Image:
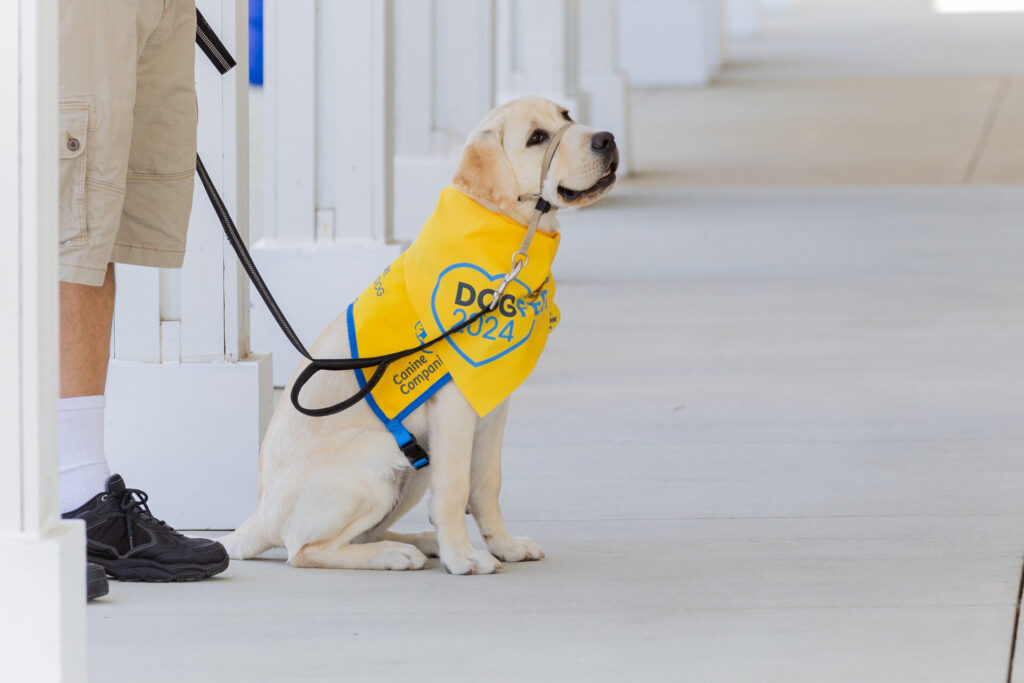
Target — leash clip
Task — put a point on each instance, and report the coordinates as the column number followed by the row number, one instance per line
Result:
column 519, row 261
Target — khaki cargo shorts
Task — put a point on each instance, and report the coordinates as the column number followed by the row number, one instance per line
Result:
column 127, row 134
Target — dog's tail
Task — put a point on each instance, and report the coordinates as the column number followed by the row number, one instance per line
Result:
column 248, row 540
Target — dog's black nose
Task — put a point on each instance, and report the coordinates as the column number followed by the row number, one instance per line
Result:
column 602, row 140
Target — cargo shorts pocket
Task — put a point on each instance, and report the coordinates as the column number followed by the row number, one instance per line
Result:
column 73, row 119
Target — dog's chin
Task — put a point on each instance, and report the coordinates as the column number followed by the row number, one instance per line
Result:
column 571, row 197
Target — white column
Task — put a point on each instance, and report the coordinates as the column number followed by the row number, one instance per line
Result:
column 289, row 84
column 713, row 38
column 42, row 559
column 355, row 128
column 329, row 139
column 444, row 85
column 742, row 17
column 187, row 402
column 669, row 43
column 606, row 86
column 537, row 51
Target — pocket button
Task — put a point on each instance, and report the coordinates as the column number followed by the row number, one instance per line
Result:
column 73, row 144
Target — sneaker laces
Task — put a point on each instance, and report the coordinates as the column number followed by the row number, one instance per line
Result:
column 134, row 505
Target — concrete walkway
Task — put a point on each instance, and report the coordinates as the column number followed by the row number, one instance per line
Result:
column 785, row 445
column 847, row 92
column 777, row 437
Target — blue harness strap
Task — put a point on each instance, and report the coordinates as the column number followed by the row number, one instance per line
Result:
column 414, row 452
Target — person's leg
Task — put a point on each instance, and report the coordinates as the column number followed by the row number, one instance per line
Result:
column 86, row 314
column 148, row 165
column 113, row 56
column 96, row 85
column 85, row 317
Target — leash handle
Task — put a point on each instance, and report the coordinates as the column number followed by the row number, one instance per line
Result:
column 212, row 47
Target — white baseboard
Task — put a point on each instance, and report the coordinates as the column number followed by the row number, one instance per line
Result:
column 42, row 632
column 188, row 434
column 313, row 282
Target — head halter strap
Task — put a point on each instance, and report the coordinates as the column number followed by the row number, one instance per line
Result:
column 543, row 205
column 522, row 256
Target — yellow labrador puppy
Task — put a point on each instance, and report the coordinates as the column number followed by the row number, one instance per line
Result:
column 331, row 487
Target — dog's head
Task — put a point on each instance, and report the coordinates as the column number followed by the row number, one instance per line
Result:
column 501, row 162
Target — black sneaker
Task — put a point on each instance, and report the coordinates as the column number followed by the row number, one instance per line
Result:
column 132, row 545
column 96, row 585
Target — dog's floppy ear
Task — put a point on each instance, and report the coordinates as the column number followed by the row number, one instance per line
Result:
column 485, row 172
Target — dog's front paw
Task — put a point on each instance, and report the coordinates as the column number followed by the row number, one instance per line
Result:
column 399, row 557
column 473, row 562
column 512, row 549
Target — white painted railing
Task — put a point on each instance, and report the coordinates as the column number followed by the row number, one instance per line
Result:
column 329, row 166
column 42, row 559
column 537, row 50
column 444, row 84
column 600, row 77
column 187, row 401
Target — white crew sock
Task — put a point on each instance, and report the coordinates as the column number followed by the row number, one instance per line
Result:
column 83, row 462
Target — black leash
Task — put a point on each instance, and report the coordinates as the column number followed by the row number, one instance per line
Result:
column 211, row 46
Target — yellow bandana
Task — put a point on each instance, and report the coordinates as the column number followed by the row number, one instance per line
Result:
column 453, row 267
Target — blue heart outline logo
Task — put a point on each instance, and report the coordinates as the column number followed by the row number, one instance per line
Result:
column 490, row 278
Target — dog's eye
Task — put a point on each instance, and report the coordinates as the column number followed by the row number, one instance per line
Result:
column 537, row 138
column 565, row 115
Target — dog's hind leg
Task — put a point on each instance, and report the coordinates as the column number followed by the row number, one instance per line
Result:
column 338, row 554
column 412, row 491
column 248, row 540
column 339, row 507
column 425, row 541
column 339, row 551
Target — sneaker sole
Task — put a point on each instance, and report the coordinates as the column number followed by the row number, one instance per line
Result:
column 96, row 584
column 149, row 571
